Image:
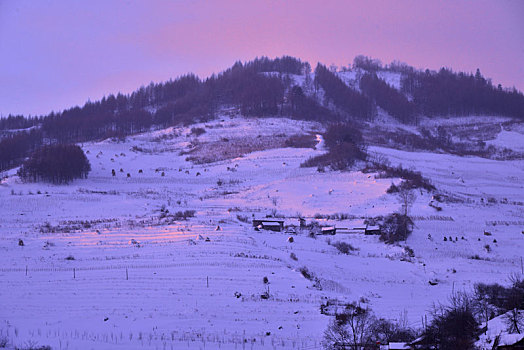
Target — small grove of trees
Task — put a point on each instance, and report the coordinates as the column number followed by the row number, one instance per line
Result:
column 56, row 164
column 358, row 328
column 344, row 144
column 453, row 326
column 396, row 227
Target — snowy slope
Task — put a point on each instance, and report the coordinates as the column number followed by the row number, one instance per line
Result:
column 137, row 278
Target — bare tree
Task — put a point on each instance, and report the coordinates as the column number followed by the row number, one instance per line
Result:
column 406, row 197
column 514, row 320
column 350, row 330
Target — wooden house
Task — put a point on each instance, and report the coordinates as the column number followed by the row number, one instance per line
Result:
column 372, row 230
column 348, row 230
column 269, row 224
column 328, row 230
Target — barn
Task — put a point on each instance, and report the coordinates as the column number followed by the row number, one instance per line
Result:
column 272, row 224
column 372, row 230
column 328, row 230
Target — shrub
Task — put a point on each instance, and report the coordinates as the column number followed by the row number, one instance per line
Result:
column 409, row 251
column 385, row 331
column 243, row 219
column 3, row 342
column 301, row 141
column 412, row 179
column 56, row 164
column 502, row 298
column 32, row 345
column 293, row 256
column 343, row 247
column 198, row 131
column 305, row 272
column 184, row 215
column 392, row 189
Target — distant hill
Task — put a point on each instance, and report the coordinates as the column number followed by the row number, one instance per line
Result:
column 284, row 86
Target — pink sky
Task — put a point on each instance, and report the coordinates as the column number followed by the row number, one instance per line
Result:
column 57, row 54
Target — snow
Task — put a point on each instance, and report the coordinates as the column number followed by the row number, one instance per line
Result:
column 497, row 327
column 393, row 79
column 509, row 139
column 185, row 284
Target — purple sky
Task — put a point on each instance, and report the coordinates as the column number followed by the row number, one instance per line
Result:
column 56, row 54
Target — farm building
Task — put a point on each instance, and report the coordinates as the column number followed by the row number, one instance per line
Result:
column 372, row 230
column 347, row 230
column 328, row 230
column 269, row 222
column 359, row 229
column 271, row 225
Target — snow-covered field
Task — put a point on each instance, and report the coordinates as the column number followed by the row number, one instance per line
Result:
column 105, row 264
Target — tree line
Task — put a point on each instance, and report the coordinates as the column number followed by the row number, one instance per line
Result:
column 448, row 93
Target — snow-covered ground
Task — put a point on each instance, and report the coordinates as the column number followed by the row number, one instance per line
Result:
column 104, row 265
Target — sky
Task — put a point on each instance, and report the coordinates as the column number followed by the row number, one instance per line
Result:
column 58, row 54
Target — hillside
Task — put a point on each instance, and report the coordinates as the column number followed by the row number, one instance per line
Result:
column 281, row 87
column 167, row 256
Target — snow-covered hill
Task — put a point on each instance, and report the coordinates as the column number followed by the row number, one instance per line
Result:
column 107, row 262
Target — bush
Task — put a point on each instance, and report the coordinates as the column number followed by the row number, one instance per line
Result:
column 198, row 131
column 343, row 247
column 56, row 164
column 412, row 179
column 301, row 141
column 500, row 297
column 184, row 215
column 396, row 228
column 3, row 342
column 385, row 331
column 305, row 272
column 32, row 345
column 243, row 219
